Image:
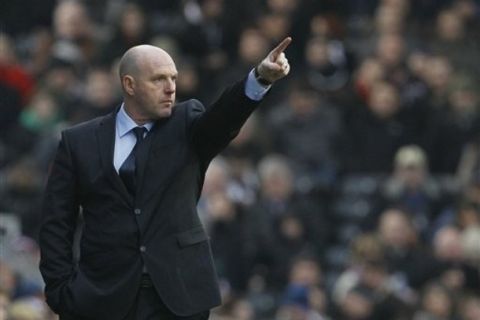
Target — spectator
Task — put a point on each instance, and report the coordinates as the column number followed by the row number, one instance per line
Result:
column 16, row 85
column 41, row 115
column 452, row 268
column 132, row 29
column 438, row 74
column 267, row 219
column 470, row 307
column 467, row 215
column 12, row 73
column 252, row 46
column 188, row 84
column 327, row 65
column 436, row 303
column 275, row 26
column 373, row 134
column 243, row 155
column 454, row 127
column 205, row 35
column 306, row 130
column 369, row 72
column 38, row 119
column 404, row 254
column 368, row 282
column 99, row 99
column 451, row 41
column 391, row 51
column 303, row 297
column 411, row 187
column 74, row 35
column 231, row 257
column 356, row 305
column 62, row 81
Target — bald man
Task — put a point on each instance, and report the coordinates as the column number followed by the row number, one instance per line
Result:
column 135, row 176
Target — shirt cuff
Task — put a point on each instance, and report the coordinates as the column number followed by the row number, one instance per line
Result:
column 253, row 89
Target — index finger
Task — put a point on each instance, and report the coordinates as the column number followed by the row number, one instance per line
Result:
column 280, row 48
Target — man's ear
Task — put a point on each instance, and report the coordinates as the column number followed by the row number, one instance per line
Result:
column 128, row 83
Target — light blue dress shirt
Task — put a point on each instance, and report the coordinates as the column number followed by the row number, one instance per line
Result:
column 125, row 139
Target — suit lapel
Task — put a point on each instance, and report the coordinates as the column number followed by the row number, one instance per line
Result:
column 106, row 144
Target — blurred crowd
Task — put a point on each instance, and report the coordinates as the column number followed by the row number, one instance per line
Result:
column 353, row 193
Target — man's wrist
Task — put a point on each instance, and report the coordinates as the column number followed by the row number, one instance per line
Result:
column 253, row 88
column 258, row 77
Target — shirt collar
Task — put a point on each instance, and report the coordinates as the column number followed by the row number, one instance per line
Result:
column 125, row 124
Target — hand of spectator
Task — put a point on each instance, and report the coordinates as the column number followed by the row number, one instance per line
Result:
column 275, row 66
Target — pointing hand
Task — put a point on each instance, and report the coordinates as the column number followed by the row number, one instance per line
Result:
column 275, row 66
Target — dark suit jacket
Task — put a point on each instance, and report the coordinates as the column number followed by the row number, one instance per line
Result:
column 159, row 228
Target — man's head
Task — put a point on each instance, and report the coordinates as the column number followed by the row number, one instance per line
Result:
column 396, row 229
column 148, row 75
column 384, row 100
column 276, row 178
column 411, row 167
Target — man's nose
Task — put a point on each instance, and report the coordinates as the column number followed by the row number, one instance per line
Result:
column 170, row 86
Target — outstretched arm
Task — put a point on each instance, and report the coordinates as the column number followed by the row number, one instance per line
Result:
column 213, row 129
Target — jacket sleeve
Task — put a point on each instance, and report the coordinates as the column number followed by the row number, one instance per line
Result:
column 59, row 217
column 212, row 129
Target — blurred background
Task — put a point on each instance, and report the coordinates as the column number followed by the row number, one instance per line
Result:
column 352, row 193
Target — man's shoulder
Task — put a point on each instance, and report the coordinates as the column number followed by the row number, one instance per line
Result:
column 190, row 104
column 188, row 109
column 89, row 125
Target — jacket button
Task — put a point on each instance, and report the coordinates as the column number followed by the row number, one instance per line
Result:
column 143, row 249
column 137, row 211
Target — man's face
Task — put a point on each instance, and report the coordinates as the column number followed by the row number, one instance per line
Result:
column 155, row 87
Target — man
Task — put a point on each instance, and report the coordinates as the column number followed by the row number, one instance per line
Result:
column 137, row 175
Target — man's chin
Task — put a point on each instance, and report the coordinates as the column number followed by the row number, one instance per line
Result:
column 165, row 112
